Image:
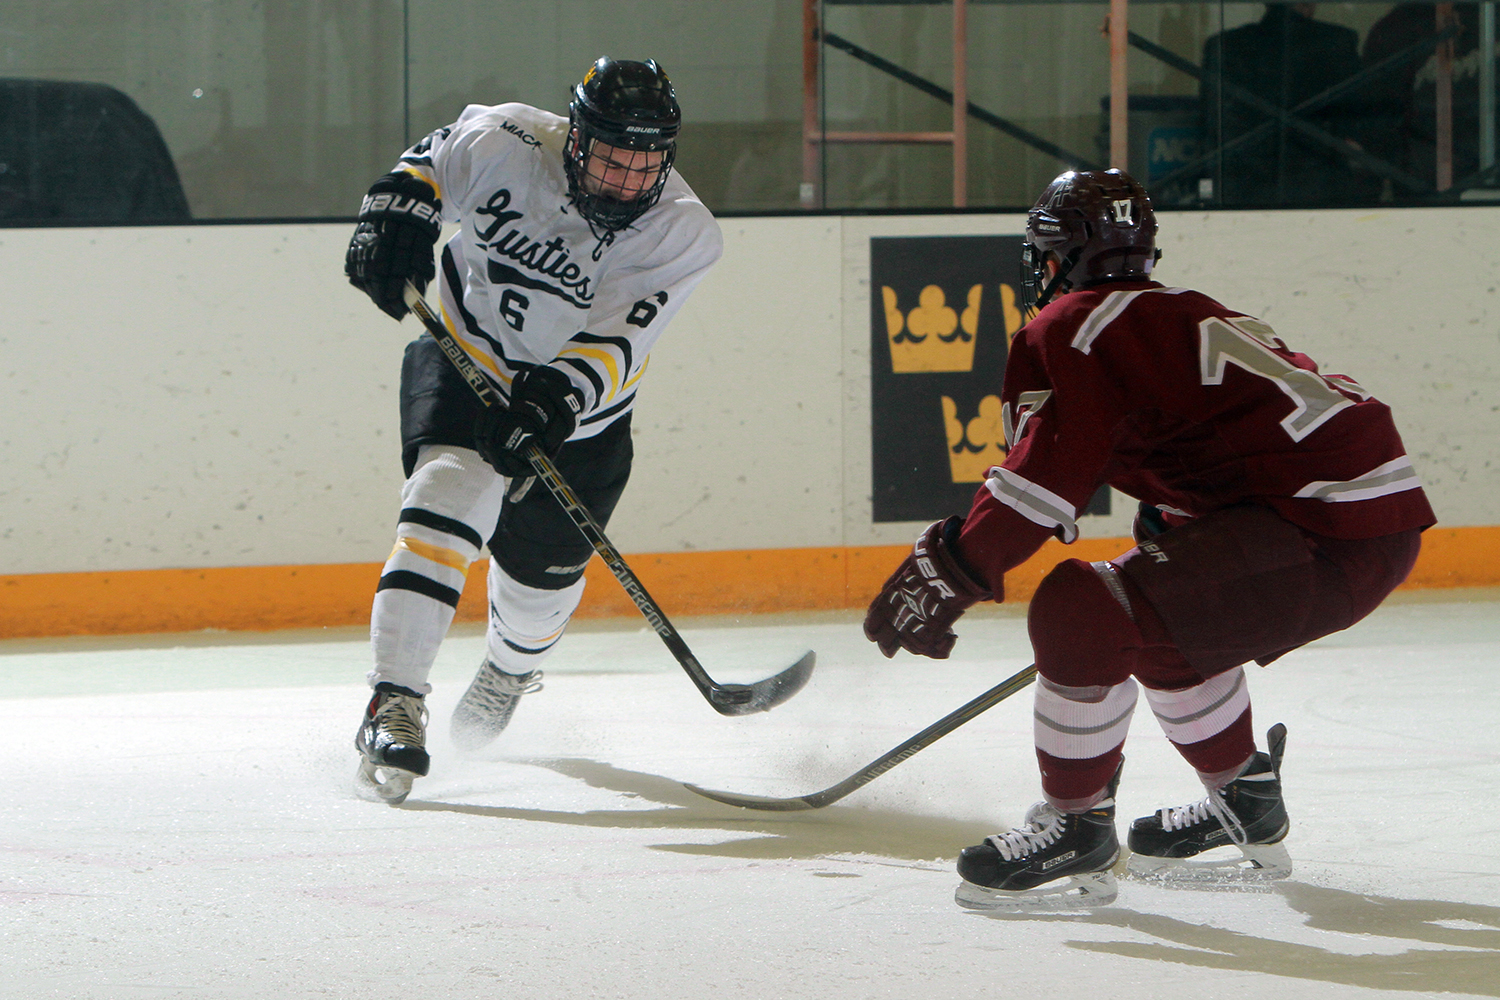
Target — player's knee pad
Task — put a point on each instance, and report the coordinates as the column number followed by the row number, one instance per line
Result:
column 1080, row 630
column 536, row 540
column 455, row 483
column 447, row 505
column 526, row 622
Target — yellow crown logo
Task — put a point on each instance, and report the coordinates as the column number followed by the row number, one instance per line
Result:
column 933, row 337
column 1009, row 309
column 976, row 446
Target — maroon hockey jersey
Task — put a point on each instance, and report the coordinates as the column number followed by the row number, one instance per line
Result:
column 1178, row 401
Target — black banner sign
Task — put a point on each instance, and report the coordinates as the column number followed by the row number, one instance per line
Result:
column 942, row 312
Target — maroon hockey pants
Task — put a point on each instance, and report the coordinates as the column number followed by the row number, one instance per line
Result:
column 1234, row 586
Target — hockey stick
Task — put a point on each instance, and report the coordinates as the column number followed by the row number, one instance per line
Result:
column 727, row 699
column 883, row 763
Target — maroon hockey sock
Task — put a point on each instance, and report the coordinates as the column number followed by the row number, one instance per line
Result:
column 1077, row 785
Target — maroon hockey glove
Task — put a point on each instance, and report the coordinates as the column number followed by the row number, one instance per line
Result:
column 543, row 411
column 924, row 597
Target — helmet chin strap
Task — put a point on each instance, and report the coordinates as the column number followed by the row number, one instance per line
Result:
column 1059, row 279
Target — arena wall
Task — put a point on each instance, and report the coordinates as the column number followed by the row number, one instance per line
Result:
column 200, row 425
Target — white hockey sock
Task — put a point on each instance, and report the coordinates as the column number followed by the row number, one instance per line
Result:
column 1077, row 723
column 526, row 622
column 1202, row 711
column 449, row 506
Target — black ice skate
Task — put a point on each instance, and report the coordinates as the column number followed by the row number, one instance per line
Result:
column 1234, row 835
column 391, row 745
column 485, row 709
column 1053, row 861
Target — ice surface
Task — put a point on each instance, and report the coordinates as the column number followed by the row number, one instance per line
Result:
column 180, row 824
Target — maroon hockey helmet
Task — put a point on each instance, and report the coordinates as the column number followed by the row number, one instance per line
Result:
column 1097, row 224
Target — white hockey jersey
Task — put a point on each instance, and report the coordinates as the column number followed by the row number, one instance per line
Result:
column 525, row 281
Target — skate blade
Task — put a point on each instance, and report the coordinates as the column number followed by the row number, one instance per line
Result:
column 1077, row 892
column 1234, row 866
column 382, row 784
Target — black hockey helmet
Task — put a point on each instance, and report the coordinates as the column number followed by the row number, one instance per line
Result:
column 1097, row 224
column 630, row 106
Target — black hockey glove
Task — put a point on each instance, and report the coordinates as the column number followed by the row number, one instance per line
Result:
column 543, row 411
column 399, row 222
column 928, row 592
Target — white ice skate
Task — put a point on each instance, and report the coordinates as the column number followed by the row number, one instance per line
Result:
column 484, row 711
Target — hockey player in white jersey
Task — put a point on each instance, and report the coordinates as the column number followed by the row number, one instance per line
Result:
column 577, row 244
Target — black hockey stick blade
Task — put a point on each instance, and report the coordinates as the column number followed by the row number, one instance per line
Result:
column 762, row 696
column 726, row 699
column 883, row 763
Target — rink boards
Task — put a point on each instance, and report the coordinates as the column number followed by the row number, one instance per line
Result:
column 201, row 426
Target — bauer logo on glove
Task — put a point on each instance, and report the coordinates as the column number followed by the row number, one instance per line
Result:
column 924, row 597
column 389, row 203
column 929, row 570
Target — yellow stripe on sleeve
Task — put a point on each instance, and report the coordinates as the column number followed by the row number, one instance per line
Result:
column 608, row 361
column 638, row 374
column 419, row 175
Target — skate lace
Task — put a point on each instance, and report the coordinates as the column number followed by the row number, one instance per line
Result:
column 403, row 717
column 1182, row 817
column 1043, row 826
column 496, row 689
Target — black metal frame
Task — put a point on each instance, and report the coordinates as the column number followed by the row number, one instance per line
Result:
column 1292, row 118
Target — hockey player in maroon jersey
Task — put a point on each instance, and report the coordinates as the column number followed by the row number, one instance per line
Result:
column 1277, row 506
